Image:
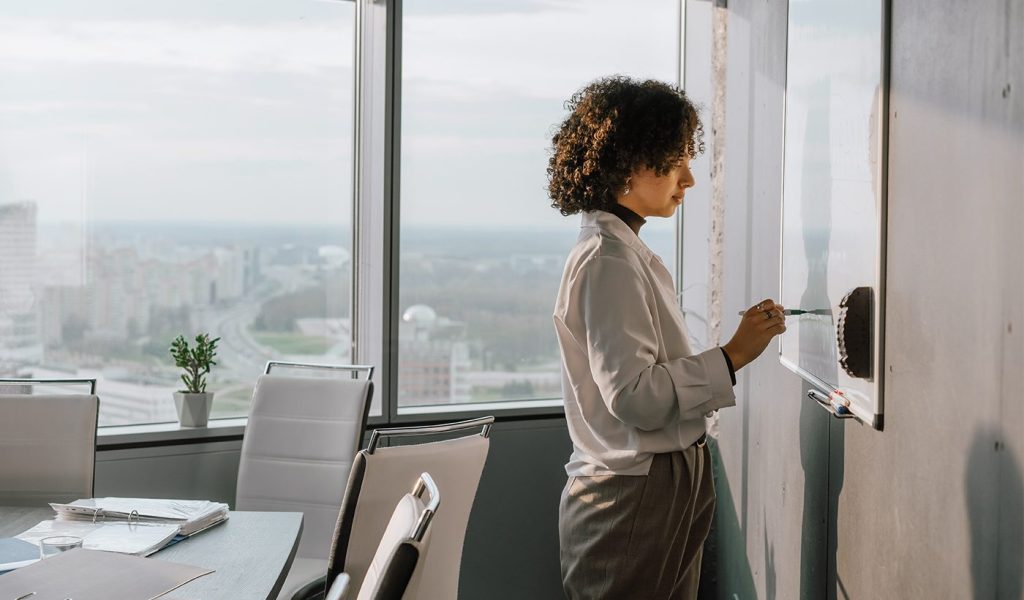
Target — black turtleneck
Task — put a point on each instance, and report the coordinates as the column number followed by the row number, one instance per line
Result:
column 635, row 222
column 630, row 218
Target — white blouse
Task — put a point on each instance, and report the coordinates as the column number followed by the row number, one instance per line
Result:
column 632, row 385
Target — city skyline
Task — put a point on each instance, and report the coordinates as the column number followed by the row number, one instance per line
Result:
column 107, row 299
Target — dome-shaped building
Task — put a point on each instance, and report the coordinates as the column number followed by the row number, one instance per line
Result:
column 420, row 314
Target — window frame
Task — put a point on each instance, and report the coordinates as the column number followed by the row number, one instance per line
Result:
column 376, row 212
column 169, row 431
column 379, row 31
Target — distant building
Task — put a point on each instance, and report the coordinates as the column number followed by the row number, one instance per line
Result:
column 333, row 256
column 433, row 359
column 251, row 268
column 231, row 267
column 125, row 288
column 20, row 340
column 62, row 314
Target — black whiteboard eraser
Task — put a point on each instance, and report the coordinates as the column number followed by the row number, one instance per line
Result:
column 853, row 332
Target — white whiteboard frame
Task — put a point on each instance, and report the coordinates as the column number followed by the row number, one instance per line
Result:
column 869, row 414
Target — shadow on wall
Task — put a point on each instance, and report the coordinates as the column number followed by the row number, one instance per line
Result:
column 995, row 508
column 769, row 565
column 822, row 459
column 726, row 573
column 822, row 442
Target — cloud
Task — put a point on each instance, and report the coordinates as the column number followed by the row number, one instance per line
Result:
column 285, row 47
column 174, row 116
column 546, row 54
column 49, row 107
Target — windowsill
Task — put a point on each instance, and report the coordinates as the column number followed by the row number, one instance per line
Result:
column 156, row 433
column 113, row 437
column 507, row 408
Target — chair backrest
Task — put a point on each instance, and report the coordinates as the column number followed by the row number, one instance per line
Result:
column 398, row 559
column 299, row 443
column 380, row 476
column 48, row 445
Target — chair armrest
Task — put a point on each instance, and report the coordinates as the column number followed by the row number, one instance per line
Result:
column 339, row 590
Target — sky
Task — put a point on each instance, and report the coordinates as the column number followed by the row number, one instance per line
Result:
column 241, row 110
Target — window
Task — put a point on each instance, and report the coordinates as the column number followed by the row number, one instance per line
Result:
column 481, row 251
column 173, row 168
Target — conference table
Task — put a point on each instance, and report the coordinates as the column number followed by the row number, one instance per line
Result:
column 250, row 553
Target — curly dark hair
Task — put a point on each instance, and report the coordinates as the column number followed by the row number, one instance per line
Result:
column 618, row 125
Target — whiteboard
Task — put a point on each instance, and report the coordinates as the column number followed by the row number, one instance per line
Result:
column 833, row 200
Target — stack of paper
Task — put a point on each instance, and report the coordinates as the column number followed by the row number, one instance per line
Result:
column 191, row 516
column 140, row 539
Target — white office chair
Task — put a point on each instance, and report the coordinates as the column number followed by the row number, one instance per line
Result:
column 299, row 443
column 399, row 558
column 48, row 442
column 381, row 475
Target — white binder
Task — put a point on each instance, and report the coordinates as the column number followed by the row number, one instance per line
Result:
column 191, row 515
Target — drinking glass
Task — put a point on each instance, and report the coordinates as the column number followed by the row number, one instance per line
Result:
column 59, row 543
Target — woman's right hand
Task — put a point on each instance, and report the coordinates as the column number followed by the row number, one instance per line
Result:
column 758, row 326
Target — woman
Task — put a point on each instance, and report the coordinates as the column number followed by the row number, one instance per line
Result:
column 638, row 504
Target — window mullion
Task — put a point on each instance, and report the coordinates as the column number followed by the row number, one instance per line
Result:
column 373, row 213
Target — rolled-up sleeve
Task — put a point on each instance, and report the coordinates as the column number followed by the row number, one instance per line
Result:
column 622, row 347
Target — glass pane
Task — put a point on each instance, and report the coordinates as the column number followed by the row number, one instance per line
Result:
column 832, row 198
column 483, row 85
column 173, row 167
column 695, row 296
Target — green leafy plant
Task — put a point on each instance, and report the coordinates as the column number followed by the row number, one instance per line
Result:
column 196, row 361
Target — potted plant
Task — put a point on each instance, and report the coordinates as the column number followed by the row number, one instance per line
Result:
column 194, row 402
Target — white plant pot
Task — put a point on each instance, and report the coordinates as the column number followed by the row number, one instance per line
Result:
column 193, row 409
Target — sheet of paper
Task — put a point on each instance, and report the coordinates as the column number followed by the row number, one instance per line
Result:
column 15, row 553
column 141, row 539
column 94, row 575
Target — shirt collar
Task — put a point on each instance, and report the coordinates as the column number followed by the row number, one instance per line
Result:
column 613, row 226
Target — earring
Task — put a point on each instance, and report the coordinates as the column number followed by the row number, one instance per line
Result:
column 626, row 191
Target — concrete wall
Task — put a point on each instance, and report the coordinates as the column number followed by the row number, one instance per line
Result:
column 206, row 471
column 931, row 507
column 511, row 549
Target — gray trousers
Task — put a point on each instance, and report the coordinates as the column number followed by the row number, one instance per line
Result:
column 637, row 537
